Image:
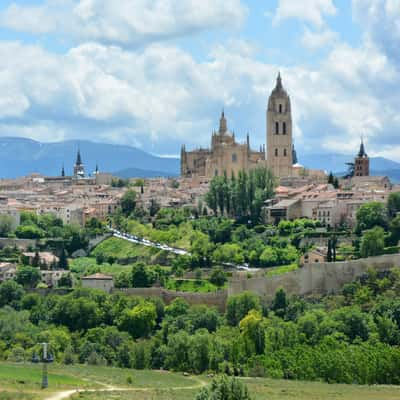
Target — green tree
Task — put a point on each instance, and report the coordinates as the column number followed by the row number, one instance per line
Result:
column 394, row 229
column 218, row 277
column 393, row 204
column 370, row 215
column 253, row 330
column 28, row 276
column 10, row 293
column 280, row 303
column 128, row 202
column 373, row 242
column 65, row 281
column 63, row 260
column 139, row 321
column 140, row 276
column 6, row 225
column 29, row 232
column 224, row 388
column 239, row 306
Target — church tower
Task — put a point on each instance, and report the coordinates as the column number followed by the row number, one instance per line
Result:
column 79, row 168
column 279, row 132
column 361, row 162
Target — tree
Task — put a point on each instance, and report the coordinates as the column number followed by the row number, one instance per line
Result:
column 280, row 303
column 394, row 229
column 393, row 204
column 239, row 306
column 63, row 261
column 139, row 321
column 252, row 329
column 28, row 276
column 128, row 202
column 370, row 215
column 218, row 277
column 29, row 232
column 6, row 225
column 373, row 242
column 10, row 293
column 154, row 207
column 224, row 388
column 140, row 276
column 65, row 281
column 331, row 178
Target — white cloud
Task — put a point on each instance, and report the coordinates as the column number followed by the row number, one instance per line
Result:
column 321, row 39
column 380, row 20
column 312, row 11
column 124, row 22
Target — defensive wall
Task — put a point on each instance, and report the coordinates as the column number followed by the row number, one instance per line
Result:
column 216, row 299
column 323, row 278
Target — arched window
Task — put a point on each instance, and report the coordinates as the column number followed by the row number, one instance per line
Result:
column 276, row 152
column 276, row 128
column 280, row 108
column 285, row 152
column 234, row 157
column 284, row 128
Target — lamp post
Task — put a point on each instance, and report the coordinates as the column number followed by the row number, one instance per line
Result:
column 46, row 359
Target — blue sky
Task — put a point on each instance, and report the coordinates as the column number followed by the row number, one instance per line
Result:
column 156, row 73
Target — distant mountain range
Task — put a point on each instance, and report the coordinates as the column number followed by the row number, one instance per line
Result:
column 20, row 157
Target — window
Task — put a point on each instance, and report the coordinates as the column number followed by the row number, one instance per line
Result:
column 234, row 157
column 285, row 152
column 276, row 128
column 276, row 152
column 284, row 128
column 216, row 172
column 280, row 108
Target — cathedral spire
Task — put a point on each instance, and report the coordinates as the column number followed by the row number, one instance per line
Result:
column 223, row 127
column 279, row 81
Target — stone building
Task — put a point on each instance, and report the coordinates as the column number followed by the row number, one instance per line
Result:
column 361, row 162
column 227, row 155
column 280, row 149
column 98, row 281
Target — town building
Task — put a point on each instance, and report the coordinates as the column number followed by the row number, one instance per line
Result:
column 361, row 162
column 228, row 156
column 98, row 281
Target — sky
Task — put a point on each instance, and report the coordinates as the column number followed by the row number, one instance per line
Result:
column 155, row 74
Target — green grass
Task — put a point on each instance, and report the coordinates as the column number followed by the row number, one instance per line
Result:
column 281, row 270
column 159, row 385
column 191, row 285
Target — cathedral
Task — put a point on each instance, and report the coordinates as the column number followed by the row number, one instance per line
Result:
column 226, row 155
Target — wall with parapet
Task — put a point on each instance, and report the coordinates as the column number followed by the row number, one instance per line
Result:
column 216, row 299
column 321, row 278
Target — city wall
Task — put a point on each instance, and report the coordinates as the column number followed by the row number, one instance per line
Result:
column 321, row 278
column 216, row 299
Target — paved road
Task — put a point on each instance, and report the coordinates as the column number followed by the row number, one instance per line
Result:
column 144, row 242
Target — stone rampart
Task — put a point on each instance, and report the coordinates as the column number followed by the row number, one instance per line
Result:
column 215, row 299
column 320, row 278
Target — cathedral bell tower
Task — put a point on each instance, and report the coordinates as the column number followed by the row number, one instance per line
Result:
column 279, row 132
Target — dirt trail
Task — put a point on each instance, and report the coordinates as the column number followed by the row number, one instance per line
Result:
column 66, row 394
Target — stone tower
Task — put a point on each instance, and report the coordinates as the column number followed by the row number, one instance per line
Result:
column 279, row 132
column 79, row 168
column 361, row 162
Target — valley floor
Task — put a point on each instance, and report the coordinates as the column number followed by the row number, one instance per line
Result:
column 22, row 382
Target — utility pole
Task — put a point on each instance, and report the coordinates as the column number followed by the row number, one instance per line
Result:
column 46, row 358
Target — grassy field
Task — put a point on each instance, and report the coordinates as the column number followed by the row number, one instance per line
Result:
column 281, row 270
column 191, row 285
column 22, row 382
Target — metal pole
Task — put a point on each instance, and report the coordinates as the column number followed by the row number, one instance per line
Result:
column 45, row 381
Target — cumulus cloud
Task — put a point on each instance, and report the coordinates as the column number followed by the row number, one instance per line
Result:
column 124, row 22
column 312, row 11
column 314, row 40
column 381, row 21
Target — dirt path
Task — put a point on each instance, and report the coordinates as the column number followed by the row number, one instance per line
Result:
column 66, row 394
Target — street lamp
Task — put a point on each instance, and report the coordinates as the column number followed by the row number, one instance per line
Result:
column 46, row 359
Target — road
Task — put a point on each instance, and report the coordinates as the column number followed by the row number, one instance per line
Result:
column 144, row 242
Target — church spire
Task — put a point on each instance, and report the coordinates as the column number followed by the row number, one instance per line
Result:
column 78, row 157
column 362, row 152
column 279, row 81
column 223, row 127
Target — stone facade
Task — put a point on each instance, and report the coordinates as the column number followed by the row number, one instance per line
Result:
column 226, row 155
column 279, row 132
column 361, row 162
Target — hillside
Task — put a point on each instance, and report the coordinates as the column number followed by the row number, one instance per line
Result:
column 20, row 156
